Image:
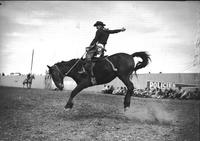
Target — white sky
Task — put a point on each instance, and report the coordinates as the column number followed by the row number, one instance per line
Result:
column 60, row 30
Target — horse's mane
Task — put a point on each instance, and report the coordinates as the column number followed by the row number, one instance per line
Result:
column 69, row 63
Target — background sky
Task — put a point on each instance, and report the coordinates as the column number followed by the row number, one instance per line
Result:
column 60, row 30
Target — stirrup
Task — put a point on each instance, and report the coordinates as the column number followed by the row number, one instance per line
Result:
column 115, row 69
column 93, row 80
column 82, row 71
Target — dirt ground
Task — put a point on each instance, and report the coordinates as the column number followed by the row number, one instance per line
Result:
column 38, row 115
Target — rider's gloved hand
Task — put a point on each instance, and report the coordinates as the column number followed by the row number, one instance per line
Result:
column 123, row 29
column 87, row 48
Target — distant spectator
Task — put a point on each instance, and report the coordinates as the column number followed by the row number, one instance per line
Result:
column 116, row 91
column 185, row 95
column 197, row 93
column 178, row 92
column 158, row 93
column 47, row 80
column 120, row 91
column 124, row 91
column 108, row 89
column 105, row 88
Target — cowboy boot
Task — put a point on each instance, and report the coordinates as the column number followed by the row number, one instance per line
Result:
column 89, row 68
column 101, row 55
column 93, row 80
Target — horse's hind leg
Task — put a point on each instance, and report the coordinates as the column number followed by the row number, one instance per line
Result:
column 130, row 87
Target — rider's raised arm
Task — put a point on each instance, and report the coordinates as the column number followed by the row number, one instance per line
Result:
column 115, row 31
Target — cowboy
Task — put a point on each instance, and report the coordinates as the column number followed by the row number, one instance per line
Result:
column 28, row 76
column 97, row 46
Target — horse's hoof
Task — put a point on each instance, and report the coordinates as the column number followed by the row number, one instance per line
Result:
column 67, row 109
column 69, row 106
column 126, row 109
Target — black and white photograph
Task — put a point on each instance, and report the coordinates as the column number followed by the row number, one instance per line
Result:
column 99, row 70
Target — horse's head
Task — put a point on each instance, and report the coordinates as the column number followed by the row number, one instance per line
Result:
column 56, row 76
column 33, row 76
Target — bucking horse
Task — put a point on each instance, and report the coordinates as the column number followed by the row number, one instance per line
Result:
column 121, row 65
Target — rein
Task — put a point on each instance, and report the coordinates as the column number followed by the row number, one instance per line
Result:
column 63, row 75
column 59, row 71
column 72, row 67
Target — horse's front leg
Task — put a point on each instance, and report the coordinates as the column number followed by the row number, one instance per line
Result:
column 74, row 92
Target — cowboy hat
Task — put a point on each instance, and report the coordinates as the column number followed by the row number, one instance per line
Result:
column 99, row 23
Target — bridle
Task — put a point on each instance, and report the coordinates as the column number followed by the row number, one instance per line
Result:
column 59, row 71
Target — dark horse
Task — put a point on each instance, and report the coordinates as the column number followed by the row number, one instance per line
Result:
column 103, row 72
column 28, row 81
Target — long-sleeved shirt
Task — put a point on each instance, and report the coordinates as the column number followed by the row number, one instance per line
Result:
column 102, row 35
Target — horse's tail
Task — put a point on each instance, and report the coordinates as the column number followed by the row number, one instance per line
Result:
column 145, row 60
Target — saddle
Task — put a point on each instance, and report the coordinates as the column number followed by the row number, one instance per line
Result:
column 96, row 60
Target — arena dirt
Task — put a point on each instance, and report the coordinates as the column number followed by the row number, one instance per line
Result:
column 35, row 114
